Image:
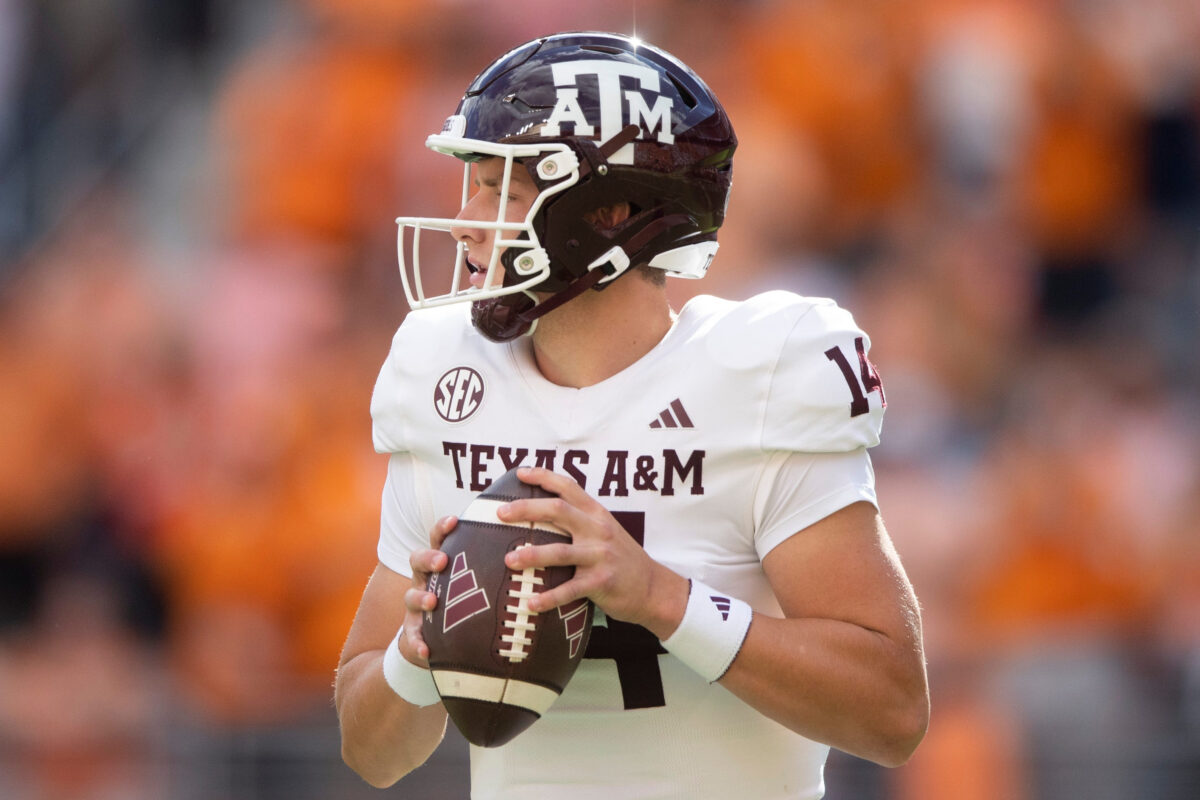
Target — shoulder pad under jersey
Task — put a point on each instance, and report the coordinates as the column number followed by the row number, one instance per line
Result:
column 418, row 348
column 824, row 395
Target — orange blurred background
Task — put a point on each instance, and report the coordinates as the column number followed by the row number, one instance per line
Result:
column 198, row 284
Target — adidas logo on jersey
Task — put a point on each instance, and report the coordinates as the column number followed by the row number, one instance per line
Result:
column 672, row 417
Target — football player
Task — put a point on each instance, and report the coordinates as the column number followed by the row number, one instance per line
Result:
column 711, row 463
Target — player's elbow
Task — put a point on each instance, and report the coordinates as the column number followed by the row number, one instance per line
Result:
column 377, row 774
column 903, row 725
column 383, row 760
column 898, row 739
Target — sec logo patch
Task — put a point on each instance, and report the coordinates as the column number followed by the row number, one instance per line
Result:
column 458, row 394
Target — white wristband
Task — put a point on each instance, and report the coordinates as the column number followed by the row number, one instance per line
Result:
column 711, row 633
column 414, row 684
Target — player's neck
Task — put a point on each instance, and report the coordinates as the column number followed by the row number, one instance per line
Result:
column 599, row 334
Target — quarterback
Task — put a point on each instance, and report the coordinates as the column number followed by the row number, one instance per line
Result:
column 710, row 463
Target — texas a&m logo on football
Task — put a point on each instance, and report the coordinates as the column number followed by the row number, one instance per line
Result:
column 617, row 108
column 458, row 394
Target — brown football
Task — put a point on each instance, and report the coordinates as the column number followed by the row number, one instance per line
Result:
column 498, row 667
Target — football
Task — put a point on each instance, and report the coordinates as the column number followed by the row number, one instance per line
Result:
column 498, row 666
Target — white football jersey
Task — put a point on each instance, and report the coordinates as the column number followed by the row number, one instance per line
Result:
column 748, row 422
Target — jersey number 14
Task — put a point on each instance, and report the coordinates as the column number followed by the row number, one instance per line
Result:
column 867, row 373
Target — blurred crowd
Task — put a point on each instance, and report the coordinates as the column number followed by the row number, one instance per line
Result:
column 198, row 284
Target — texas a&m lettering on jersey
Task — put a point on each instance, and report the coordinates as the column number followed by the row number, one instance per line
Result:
column 619, row 472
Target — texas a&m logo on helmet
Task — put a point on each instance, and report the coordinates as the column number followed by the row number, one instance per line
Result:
column 617, row 108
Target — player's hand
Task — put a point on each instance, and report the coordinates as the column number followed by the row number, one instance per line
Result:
column 417, row 600
column 611, row 568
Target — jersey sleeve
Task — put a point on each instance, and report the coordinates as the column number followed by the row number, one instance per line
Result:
column 803, row 488
column 401, row 524
column 388, row 401
column 825, row 396
column 402, row 401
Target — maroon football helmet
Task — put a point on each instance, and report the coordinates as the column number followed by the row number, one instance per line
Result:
column 595, row 119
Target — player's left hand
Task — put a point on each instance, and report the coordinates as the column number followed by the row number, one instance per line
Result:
column 611, row 568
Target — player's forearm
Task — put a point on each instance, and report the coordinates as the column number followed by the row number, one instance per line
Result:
column 383, row 737
column 855, row 689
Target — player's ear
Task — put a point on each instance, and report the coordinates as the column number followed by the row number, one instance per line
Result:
column 610, row 216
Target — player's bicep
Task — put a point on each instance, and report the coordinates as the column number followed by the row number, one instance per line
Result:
column 845, row 568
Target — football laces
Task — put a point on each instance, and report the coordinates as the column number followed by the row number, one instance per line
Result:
column 525, row 585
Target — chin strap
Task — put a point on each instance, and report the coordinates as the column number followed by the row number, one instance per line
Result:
column 511, row 316
column 573, row 290
column 596, row 157
column 502, row 319
column 508, row 317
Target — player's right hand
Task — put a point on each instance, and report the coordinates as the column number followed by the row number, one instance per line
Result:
column 417, row 600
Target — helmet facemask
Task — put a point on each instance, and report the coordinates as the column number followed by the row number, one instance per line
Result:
column 515, row 249
column 507, row 308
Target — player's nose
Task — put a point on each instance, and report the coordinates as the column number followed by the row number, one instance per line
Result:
column 465, row 231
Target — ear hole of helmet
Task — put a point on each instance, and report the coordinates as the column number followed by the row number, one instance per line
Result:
column 608, row 218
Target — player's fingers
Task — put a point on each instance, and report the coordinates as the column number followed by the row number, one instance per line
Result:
column 555, row 511
column 418, row 601
column 424, row 563
column 558, row 596
column 564, row 486
column 441, row 529
column 559, row 554
column 413, row 641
